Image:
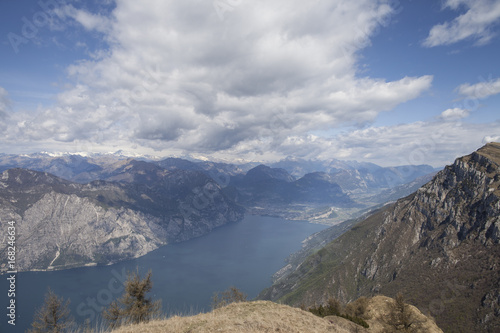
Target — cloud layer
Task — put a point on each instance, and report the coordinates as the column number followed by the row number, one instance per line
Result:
column 193, row 77
column 238, row 79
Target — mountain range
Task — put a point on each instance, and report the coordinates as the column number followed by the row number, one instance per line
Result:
column 73, row 210
column 350, row 175
column 334, row 192
column 439, row 246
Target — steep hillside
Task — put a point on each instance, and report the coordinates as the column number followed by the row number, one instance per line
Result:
column 60, row 224
column 261, row 316
column 440, row 247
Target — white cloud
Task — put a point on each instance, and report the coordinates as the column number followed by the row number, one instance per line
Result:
column 491, row 138
column 178, row 78
column 437, row 143
column 454, row 114
column 480, row 90
column 477, row 23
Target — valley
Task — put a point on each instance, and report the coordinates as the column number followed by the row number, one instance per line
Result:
column 437, row 232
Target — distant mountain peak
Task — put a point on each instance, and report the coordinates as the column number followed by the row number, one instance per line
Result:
column 263, row 172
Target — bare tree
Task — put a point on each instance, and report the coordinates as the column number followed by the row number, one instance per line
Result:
column 54, row 315
column 401, row 317
column 133, row 307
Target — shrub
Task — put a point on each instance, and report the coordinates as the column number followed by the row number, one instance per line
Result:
column 230, row 295
column 357, row 308
column 334, row 308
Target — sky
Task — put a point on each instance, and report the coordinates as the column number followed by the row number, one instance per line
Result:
column 392, row 82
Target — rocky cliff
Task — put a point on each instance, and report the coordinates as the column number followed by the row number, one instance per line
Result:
column 60, row 224
column 440, row 247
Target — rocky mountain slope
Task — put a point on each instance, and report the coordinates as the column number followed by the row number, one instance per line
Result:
column 262, row 316
column 439, row 246
column 61, row 224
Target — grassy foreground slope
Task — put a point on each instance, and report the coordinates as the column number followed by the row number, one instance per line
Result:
column 265, row 316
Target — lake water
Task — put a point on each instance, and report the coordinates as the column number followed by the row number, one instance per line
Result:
column 185, row 275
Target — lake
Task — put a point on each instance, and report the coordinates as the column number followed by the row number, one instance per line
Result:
column 185, row 275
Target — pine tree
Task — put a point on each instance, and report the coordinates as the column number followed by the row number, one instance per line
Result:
column 54, row 315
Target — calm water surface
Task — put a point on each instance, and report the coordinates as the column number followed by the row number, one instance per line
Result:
column 185, row 275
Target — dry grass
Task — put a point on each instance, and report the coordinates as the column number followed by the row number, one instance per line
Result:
column 260, row 316
column 266, row 317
